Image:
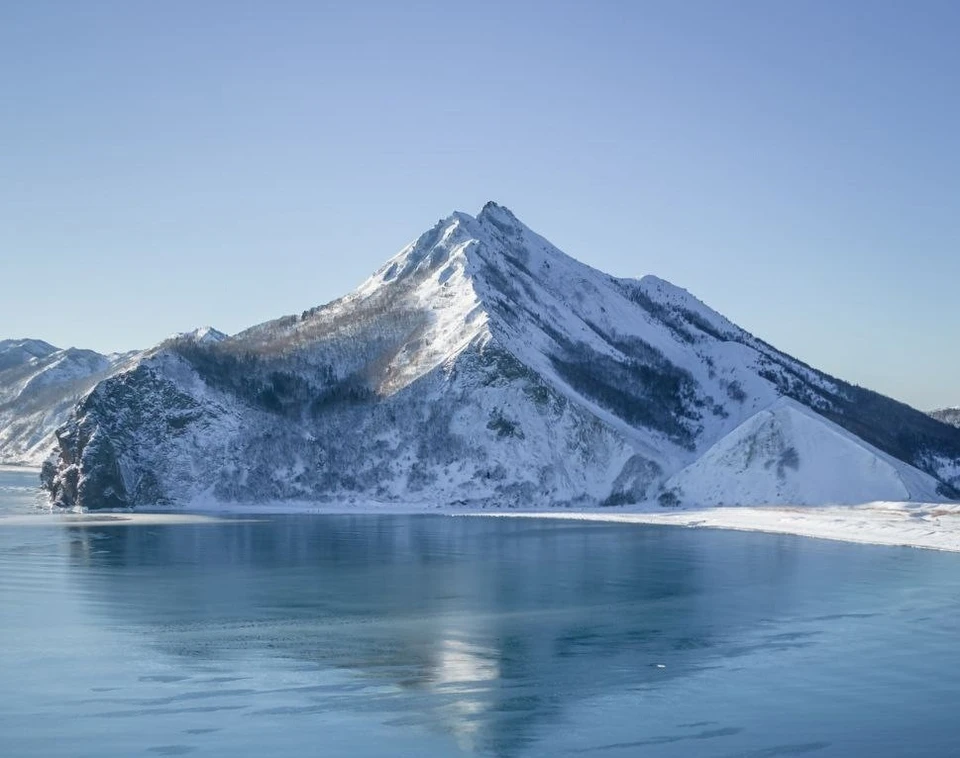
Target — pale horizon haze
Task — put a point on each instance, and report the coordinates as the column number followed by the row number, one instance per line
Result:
column 793, row 165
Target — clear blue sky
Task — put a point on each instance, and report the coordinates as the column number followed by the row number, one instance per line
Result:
column 793, row 164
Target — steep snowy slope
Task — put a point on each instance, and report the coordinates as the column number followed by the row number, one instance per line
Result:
column 479, row 365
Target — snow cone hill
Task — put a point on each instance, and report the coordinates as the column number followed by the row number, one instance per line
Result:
column 481, row 365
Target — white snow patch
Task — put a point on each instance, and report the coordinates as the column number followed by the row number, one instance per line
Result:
column 789, row 454
column 932, row 526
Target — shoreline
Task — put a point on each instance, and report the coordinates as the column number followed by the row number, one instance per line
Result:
column 928, row 526
column 16, row 468
column 920, row 526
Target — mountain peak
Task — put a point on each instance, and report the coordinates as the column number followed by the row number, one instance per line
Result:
column 504, row 221
column 494, row 212
column 202, row 334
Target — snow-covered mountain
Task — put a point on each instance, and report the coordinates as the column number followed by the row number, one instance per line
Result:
column 481, row 365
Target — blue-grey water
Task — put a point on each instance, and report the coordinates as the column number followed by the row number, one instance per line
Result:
column 440, row 636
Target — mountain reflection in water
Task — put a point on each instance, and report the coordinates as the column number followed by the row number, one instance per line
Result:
column 485, row 629
column 438, row 636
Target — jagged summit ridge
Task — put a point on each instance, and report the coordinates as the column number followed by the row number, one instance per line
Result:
column 455, row 287
column 481, row 365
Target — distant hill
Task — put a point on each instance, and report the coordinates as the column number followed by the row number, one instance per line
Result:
column 40, row 384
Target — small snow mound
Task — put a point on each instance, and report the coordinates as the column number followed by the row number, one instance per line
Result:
column 788, row 454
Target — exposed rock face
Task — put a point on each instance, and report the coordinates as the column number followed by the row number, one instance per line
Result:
column 481, row 365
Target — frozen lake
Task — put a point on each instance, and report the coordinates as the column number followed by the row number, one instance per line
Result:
column 442, row 636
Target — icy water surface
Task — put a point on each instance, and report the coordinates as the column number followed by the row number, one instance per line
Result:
column 439, row 636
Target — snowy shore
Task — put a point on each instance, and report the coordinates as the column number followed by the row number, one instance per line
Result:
column 932, row 526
